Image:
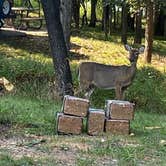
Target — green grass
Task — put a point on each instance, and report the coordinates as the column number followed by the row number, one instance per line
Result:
column 7, row 160
column 28, row 114
column 34, row 115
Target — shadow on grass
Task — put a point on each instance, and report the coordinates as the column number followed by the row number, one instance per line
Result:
column 96, row 33
column 29, row 43
column 77, row 56
column 159, row 47
column 37, row 45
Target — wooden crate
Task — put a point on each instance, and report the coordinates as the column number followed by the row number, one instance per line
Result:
column 117, row 126
column 117, row 109
column 95, row 121
column 75, row 106
column 67, row 124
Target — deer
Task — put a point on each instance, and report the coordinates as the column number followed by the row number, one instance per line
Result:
column 92, row 74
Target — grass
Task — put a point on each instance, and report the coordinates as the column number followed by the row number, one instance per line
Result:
column 27, row 116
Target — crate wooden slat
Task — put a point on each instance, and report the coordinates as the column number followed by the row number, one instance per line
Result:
column 69, row 124
column 75, row 106
column 117, row 126
column 95, row 121
column 118, row 109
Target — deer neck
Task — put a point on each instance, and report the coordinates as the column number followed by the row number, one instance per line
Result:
column 133, row 69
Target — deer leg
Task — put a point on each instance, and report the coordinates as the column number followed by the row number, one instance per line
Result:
column 77, row 93
column 123, row 94
column 118, row 92
column 89, row 92
column 82, row 88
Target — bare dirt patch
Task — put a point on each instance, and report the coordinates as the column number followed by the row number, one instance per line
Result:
column 38, row 148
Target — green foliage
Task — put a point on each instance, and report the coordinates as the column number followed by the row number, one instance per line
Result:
column 35, row 115
column 5, row 159
column 115, row 2
column 148, row 90
column 31, row 109
column 85, row 161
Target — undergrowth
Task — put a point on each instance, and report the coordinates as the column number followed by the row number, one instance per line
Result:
column 31, row 108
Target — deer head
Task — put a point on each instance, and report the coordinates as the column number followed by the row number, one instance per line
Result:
column 134, row 53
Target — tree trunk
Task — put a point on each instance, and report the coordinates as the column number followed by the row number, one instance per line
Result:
column 165, row 27
column 118, row 18
column 138, row 27
column 124, row 23
column 157, row 29
column 84, row 17
column 114, row 15
column 106, row 21
column 66, row 14
column 130, row 21
column 149, row 32
column 110, row 19
column 76, row 12
column 93, row 13
column 51, row 10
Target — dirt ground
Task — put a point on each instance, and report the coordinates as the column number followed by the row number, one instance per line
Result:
column 65, row 150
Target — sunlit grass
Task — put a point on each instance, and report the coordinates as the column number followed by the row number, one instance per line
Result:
column 31, row 109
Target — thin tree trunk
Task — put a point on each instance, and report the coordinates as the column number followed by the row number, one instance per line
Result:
column 157, row 29
column 149, row 32
column 93, row 13
column 106, row 21
column 84, row 17
column 76, row 12
column 130, row 21
column 138, row 27
column 114, row 15
column 165, row 27
column 110, row 19
column 117, row 17
column 124, row 23
column 102, row 22
column 58, row 47
column 66, row 14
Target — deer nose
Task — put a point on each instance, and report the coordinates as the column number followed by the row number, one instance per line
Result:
column 131, row 59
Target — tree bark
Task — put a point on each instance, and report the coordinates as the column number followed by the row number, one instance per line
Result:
column 130, row 21
column 114, row 15
column 138, row 27
column 110, row 19
column 84, row 17
column 159, row 20
column 106, row 21
column 66, row 14
column 157, row 29
column 165, row 27
column 76, row 12
column 118, row 19
column 149, row 32
column 64, row 84
column 93, row 13
column 124, row 23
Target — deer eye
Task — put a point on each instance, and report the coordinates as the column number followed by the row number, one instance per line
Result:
column 136, row 54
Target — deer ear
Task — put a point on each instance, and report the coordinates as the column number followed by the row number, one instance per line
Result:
column 127, row 47
column 141, row 50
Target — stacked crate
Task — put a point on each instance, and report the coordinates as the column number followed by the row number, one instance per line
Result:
column 118, row 116
column 95, row 121
column 74, row 110
column 114, row 120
